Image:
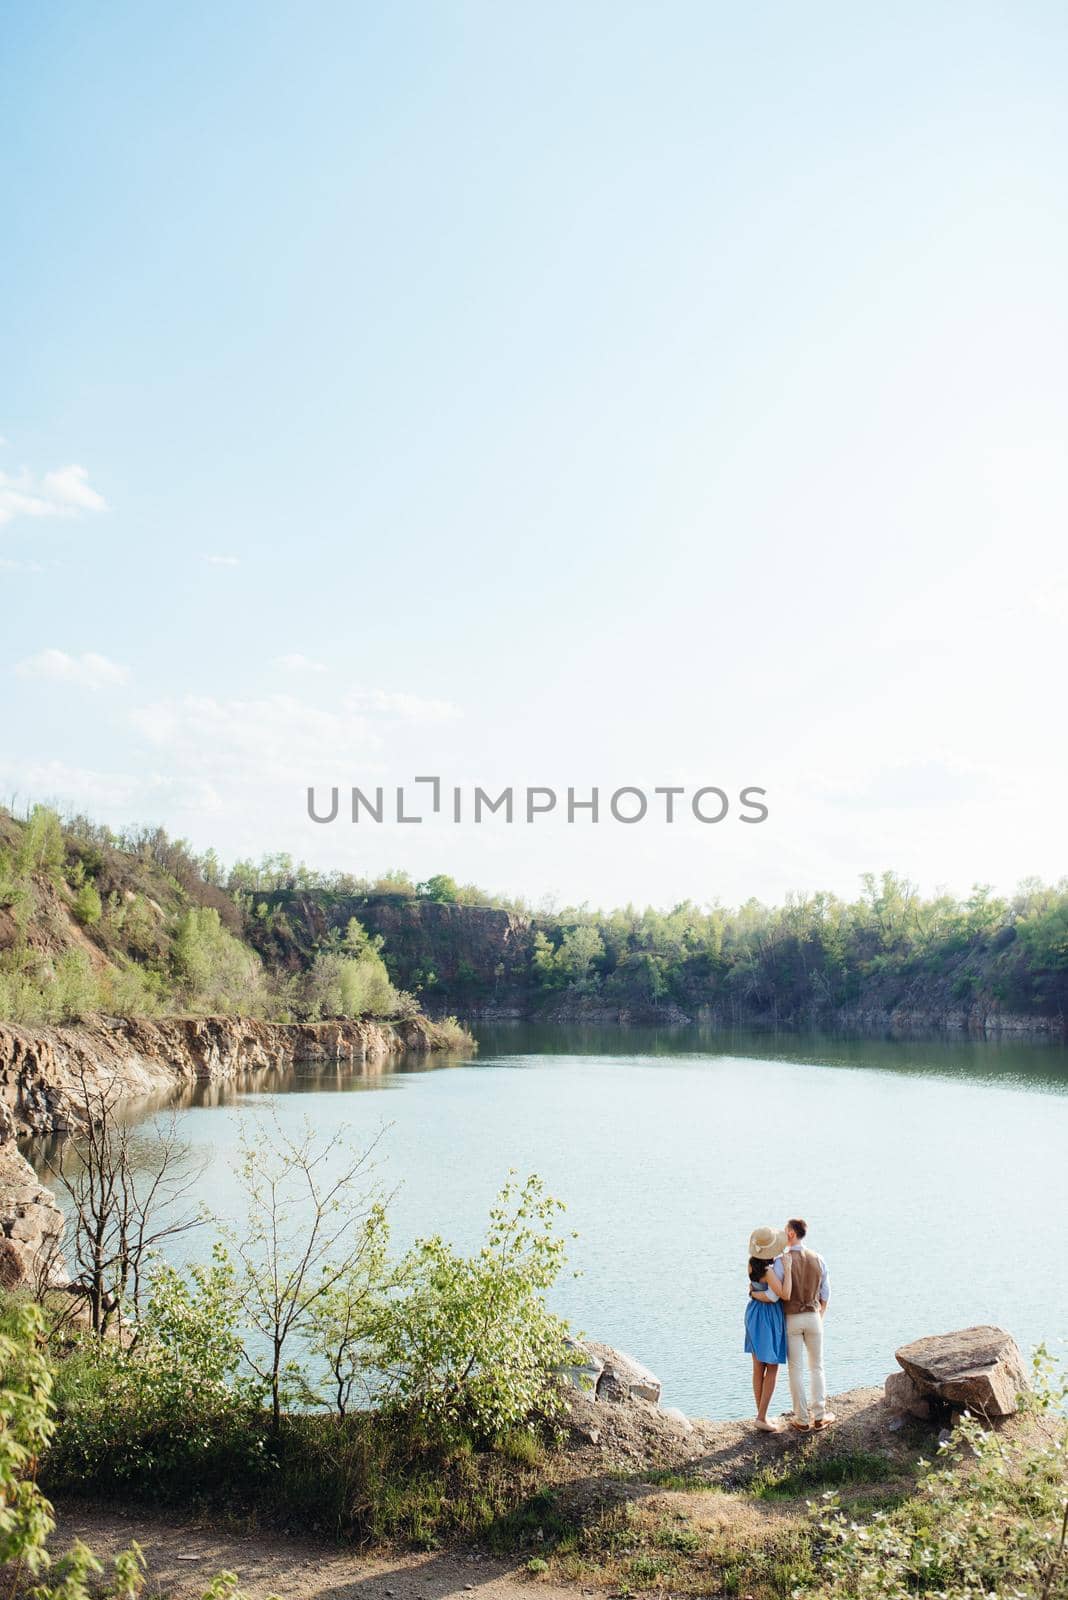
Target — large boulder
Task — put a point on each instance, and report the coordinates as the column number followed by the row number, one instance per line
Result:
column 906, row 1396
column 975, row 1369
column 622, row 1378
column 583, row 1369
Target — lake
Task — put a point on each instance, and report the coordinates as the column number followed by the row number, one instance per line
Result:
column 933, row 1175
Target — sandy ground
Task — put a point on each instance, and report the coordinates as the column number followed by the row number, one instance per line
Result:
column 183, row 1560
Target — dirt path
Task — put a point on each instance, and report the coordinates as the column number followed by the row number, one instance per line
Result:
column 183, row 1560
column 184, row 1554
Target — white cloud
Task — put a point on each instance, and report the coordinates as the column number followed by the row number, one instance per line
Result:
column 69, row 486
column 278, row 742
column 107, row 796
column 89, row 670
column 64, row 492
column 222, row 561
column 274, row 739
column 298, row 663
column 408, row 707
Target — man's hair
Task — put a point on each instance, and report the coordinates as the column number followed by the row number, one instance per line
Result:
column 798, row 1225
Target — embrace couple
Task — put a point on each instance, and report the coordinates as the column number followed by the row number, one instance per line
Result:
column 788, row 1294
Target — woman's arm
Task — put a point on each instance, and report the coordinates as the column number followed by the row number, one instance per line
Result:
column 783, row 1290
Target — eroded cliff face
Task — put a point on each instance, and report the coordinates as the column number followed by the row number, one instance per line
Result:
column 478, row 961
column 46, row 1074
column 472, row 960
column 50, row 1078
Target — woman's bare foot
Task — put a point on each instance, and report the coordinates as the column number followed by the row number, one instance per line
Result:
column 765, row 1426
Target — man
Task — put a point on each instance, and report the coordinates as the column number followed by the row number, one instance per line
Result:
column 805, row 1311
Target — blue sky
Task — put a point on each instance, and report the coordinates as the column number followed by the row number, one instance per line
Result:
column 595, row 395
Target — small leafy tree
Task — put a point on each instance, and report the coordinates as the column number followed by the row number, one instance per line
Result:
column 440, row 887
column 345, row 1322
column 471, row 1343
column 313, row 1225
column 26, row 1519
column 88, row 906
column 41, row 849
column 26, row 1426
column 581, row 947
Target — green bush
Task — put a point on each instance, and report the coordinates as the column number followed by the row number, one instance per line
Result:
column 172, row 1406
column 34, row 990
column 470, row 1346
column 88, row 907
column 990, row 1517
column 27, row 1429
column 41, row 849
column 348, row 986
column 212, row 970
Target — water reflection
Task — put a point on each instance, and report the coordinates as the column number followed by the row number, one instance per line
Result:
column 1037, row 1062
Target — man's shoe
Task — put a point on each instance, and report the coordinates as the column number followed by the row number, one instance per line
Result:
column 800, row 1427
column 824, row 1421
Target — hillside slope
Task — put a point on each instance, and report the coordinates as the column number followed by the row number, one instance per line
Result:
column 138, row 925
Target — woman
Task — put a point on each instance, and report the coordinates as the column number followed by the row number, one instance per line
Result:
column 765, row 1321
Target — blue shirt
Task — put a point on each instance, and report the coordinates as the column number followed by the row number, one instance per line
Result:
column 780, row 1272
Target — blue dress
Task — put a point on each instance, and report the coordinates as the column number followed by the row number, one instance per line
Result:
column 765, row 1330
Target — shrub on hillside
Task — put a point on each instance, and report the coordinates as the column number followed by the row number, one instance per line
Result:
column 88, row 907
column 212, row 970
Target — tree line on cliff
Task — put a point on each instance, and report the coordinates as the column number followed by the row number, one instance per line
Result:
column 138, row 922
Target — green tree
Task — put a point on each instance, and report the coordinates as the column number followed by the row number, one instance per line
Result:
column 581, row 947
column 26, row 1428
column 88, row 907
column 345, row 1322
column 471, row 1343
column 440, row 887
column 41, row 849
column 313, row 1221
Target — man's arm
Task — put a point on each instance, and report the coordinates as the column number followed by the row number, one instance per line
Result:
column 825, row 1287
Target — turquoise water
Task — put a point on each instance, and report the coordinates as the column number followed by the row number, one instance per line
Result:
column 933, row 1176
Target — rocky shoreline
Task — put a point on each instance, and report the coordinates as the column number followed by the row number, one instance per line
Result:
column 45, row 1072
column 899, row 1021
column 615, row 1401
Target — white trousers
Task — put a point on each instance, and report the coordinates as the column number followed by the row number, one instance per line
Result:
column 804, row 1341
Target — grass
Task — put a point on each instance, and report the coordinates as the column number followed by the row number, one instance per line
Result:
column 681, row 1532
column 369, row 1479
column 667, row 1478
column 632, row 1547
column 796, row 1477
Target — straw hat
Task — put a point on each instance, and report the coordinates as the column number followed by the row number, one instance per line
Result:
column 767, row 1243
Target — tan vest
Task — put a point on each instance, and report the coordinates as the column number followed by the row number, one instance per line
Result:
column 805, row 1275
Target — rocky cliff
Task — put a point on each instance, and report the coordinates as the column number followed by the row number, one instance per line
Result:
column 479, row 962
column 44, row 1071
column 48, row 1077
column 475, row 959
